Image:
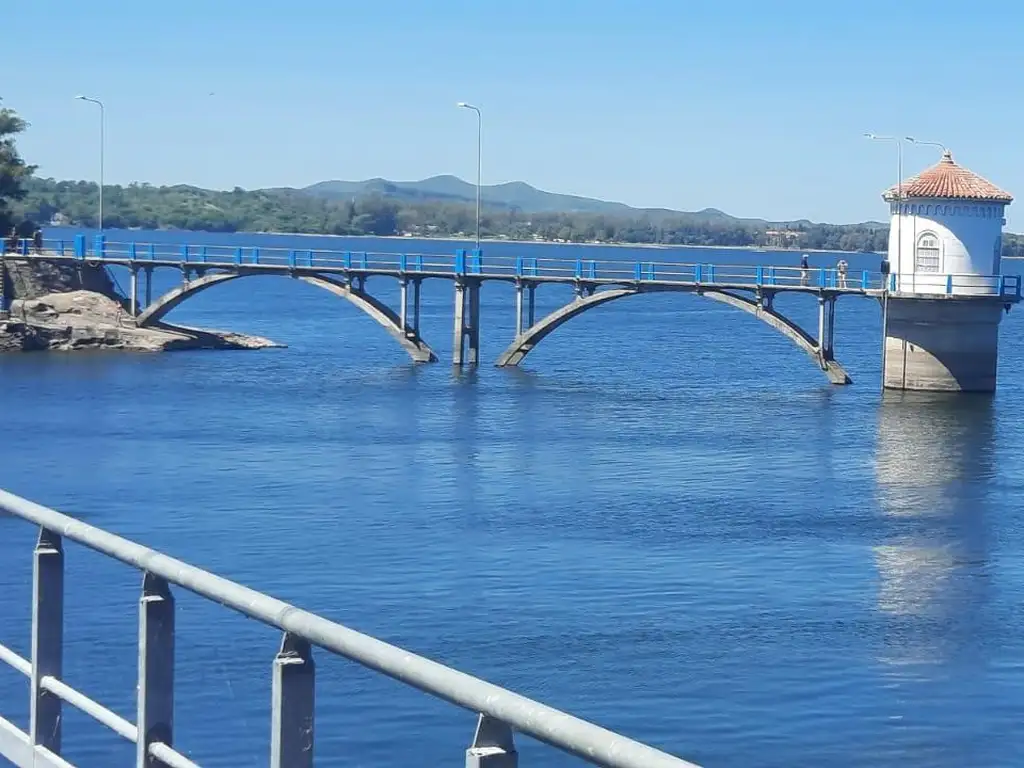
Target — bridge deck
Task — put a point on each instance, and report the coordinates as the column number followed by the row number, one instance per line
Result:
column 463, row 264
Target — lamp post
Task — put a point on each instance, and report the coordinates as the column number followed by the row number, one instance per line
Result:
column 899, row 240
column 479, row 158
column 102, row 121
column 899, row 188
column 938, row 144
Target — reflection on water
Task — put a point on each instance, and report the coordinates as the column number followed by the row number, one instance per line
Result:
column 933, row 463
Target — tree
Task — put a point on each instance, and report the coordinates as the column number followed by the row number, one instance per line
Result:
column 13, row 170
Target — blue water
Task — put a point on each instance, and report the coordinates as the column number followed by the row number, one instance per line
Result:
column 668, row 523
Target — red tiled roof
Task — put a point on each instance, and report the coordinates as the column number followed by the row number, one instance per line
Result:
column 948, row 180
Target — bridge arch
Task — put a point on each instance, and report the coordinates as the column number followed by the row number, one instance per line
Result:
column 525, row 342
column 409, row 338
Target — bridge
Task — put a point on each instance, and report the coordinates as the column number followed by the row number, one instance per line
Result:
column 499, row 713
column 346, row 274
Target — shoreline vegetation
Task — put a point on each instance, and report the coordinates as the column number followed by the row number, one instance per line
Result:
column 302, row 212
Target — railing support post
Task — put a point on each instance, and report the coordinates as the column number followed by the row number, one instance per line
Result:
column 292, row 710
column 493, row 745
column 47, row 639
column 156, row 669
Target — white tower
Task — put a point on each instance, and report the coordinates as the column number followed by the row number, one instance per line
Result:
column 947, row 294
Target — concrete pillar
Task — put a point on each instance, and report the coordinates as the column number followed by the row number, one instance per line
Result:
column 47, row 639
column 149, row 286
column 519, row 308
column 292, row 710
column 949, row 345
column 416, row 305
column 474, row 323
column 134, row 290
column 531, row 318
column 5, row 297
column 832, row 328
column 459, row 326
column 403, row 288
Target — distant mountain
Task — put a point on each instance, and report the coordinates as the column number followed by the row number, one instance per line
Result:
column 526, row 198
column 513, row 194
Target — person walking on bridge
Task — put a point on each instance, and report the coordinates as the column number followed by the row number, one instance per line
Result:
column 841, row 268
column 37, row 241
column 805, row 270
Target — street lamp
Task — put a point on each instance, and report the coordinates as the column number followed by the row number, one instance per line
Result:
column 938, row 144
column 479, row 157
column 102, row 120
column 899, row 186
column 899, row 242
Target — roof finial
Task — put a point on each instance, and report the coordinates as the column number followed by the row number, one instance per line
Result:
column 947, row 156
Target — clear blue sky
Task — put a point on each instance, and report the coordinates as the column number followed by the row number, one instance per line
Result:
column 757, row 108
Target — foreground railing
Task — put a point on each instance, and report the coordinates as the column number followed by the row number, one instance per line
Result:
column 500, row 712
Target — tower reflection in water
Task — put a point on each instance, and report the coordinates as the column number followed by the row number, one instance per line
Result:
column 934, row 466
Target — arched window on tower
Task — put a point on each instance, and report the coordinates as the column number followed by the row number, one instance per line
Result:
column 926, row 255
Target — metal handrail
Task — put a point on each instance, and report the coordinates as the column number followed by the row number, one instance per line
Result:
column 561, row 730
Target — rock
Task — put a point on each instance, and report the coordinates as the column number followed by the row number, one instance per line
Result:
column 79, row 320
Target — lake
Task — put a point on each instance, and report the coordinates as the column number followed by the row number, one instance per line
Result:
column 667, row 522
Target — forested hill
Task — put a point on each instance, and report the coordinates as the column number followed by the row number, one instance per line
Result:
column 438, row 207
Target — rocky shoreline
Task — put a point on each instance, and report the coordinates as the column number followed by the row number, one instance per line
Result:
column 69, row 309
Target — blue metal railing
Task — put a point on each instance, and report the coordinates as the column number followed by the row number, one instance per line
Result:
column 472, row 263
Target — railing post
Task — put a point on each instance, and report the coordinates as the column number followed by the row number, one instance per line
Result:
column 79, row 246
column 593, row 269
column 60, row 247
column 402, row 263
column 255, row 255
column 184, row 252
column 460, row 262
column 478, row 261
column 579, row 268
column 291, row 259
column 419, row 262
column 47, row 639
column 697, row 273
column 638, row 272
column 348, row 259
column 99, row 246
column 202, row 253
column 156, row 669
column 1017, row 289
column 238, row 255
column 711, row 273
column 292, row 710
column 519, row 266
column 493, row 745
column 865, row 280
column 131, row 251
column 152, row 252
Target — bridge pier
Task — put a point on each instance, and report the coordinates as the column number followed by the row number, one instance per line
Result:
column 942, row 345
column 403, row 300
column 523, row 286
column 5, row 303
column 826, row 329
column 466, row 332
column 134, row 291
column 149, row 286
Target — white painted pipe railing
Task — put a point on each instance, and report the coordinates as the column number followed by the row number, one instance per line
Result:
column 500, row 712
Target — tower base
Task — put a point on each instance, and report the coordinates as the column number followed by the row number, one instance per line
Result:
column 942, row 345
